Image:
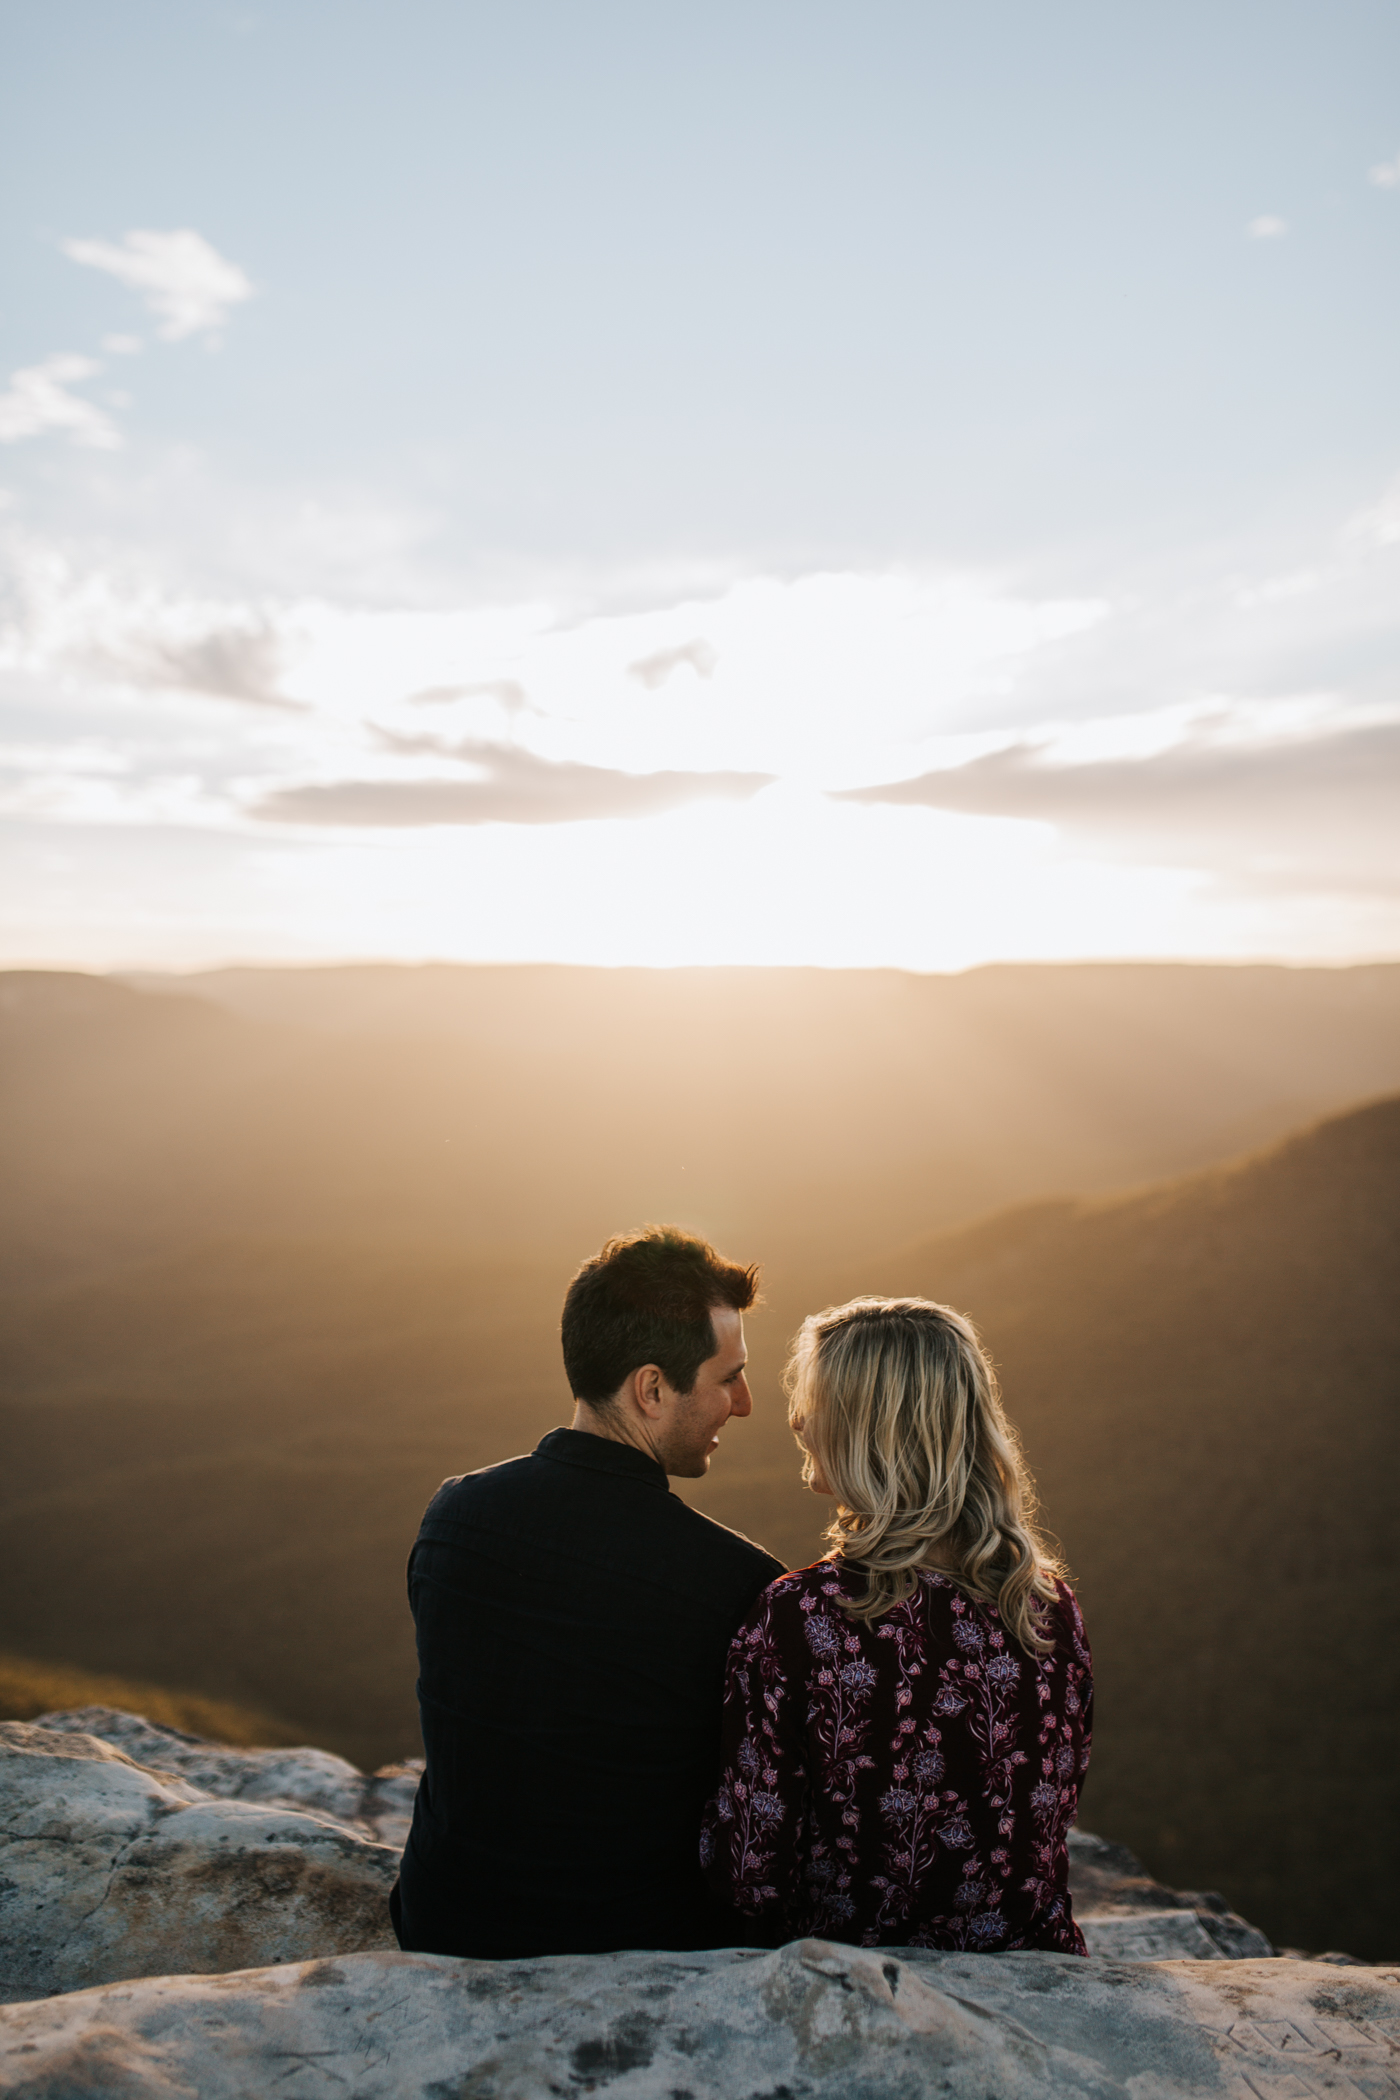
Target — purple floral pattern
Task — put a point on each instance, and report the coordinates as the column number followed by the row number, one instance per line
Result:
column 907, row 1781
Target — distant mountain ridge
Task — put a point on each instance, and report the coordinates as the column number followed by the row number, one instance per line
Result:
column 798, row 1115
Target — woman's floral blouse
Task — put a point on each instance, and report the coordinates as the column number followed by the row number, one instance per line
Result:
column 907, row 1781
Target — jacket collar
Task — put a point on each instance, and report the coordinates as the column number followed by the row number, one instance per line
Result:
column 599, row 1454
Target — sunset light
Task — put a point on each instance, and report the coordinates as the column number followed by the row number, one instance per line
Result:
column 839, row 548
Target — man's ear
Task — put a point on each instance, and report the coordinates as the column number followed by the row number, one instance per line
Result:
column 649, row 1390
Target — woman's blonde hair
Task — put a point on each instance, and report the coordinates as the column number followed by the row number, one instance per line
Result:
column 897, row 1407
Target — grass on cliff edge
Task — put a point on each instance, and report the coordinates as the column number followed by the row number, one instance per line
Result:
column 28, row 1689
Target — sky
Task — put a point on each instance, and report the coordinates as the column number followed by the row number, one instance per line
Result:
column 667, row 483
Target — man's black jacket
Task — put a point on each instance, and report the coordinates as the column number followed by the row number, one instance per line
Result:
column 573, row 1619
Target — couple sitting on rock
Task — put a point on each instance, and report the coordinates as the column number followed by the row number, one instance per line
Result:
column 642, row 1732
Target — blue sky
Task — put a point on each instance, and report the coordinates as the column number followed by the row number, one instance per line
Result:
column 983, row 423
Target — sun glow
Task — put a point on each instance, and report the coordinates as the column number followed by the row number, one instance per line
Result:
column 664, row 786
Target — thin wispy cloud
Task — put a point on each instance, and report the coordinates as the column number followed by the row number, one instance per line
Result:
column 511, row 787
column 40, row 398
column 1294, row 807
column 653, row 671
column 189, row 287
column 508, row 691
column 229, row 663
column 1267, row 228
column 1386, row 174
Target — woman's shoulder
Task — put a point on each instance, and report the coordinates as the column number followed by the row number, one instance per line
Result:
column 966, row 1616
column 1069, row 1621
column 823, row 1580
column 789, row 1601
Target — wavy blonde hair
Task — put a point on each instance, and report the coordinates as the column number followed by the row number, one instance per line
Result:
column 896, row 1405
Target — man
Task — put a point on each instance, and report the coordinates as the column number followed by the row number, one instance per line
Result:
column 573, row 1620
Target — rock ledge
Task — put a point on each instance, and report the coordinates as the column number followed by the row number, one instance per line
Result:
column 813, row 2021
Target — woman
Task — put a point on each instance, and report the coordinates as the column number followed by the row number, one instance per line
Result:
column 906, row 1724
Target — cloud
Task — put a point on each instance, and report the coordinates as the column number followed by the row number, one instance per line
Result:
column 515, row 787
column 1266, row 228
column 38, row 399
column 1386, row 174
column 508, row 691
column 1323, row 801
column 653, row 671
column 230, row 663
column 188, row 285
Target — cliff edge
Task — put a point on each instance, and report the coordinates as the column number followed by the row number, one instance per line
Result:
column 180, row 1917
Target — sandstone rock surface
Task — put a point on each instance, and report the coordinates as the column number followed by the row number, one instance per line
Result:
column 108, row 1869
column 138, row 1853
column 379, row 1803
column 813, row 2021
column 1122, row 1911
column 128, row 1849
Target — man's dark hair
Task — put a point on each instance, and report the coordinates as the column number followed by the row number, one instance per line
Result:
column 645, row 1298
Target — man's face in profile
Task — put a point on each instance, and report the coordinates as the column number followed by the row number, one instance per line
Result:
column 689, row 1434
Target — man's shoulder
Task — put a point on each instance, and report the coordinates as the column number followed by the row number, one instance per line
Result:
column 722, row 1544
column 536, row 1488
column 503, row 1473
column 466, row 1494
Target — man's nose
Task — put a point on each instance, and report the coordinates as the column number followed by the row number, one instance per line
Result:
column 741, row 1401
